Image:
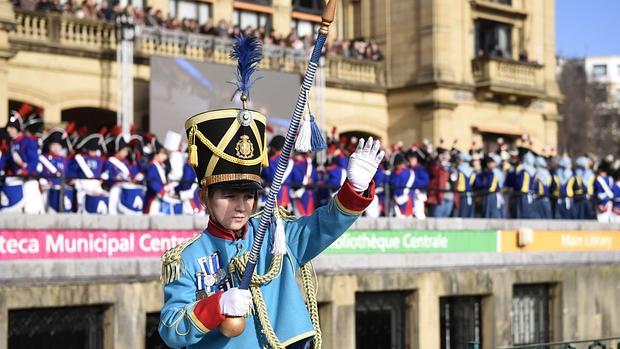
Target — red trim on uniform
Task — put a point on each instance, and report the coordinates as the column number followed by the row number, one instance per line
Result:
column 218, row 231
column 208, row 311
column 353, row 201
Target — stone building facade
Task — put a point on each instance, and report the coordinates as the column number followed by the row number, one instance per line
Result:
column 464, row 70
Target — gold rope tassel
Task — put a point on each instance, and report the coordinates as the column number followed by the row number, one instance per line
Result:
column 238, row 264
column 193, row 149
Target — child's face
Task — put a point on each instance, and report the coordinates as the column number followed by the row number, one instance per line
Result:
column 55, row 148
column 231, row 208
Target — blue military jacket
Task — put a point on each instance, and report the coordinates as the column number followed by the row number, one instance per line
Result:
column 186, row 321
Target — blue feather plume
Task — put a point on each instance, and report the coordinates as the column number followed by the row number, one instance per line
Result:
column 248, row 52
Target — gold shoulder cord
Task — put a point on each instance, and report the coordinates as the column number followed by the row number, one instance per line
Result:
column 238, row 264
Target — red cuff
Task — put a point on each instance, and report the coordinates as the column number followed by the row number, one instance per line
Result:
column 162, row 192
column 207, row 312
column 352, row 203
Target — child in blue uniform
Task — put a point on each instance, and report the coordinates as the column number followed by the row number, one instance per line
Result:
column 126, row 194
column 54, row 169
column 22, row 163
column 268, row 173
column 160, row 194
column 200, row 274
column 401, row 182
column 86, row 169
column 303, row 177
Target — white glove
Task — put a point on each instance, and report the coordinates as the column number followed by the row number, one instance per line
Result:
column 363, row 163
column 235, row 302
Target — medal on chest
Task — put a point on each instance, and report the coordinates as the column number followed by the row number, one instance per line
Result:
column 213, row 276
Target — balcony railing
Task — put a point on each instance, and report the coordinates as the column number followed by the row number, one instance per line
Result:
column 70, row 35
column 507, row 77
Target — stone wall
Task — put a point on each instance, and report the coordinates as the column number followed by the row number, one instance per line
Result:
column 584, row 285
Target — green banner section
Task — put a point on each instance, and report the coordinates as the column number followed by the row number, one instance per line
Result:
column 414, row 241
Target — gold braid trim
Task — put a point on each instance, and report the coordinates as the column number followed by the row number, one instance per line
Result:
column 238, row 265
column 229, row 158
column 308, row 279
column 172, row 261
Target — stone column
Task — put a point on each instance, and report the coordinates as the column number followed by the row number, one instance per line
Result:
column 281, row 18
column 222, row 9
column 7, row 23
column 338, row 315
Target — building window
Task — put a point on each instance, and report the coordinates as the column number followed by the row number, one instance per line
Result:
column 67, row 327
column 182, row 9
column 530, row 314
column 599, row 70
column 304, row 28
column 493, row 39
column 381, row 320
column 461, row 321
column 257, row 2
column 251, row 19
column 153, row 340
column 309, row 6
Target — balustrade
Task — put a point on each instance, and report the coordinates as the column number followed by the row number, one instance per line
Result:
column 41, row 29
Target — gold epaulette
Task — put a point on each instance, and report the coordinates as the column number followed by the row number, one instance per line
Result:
column 171, row 261
column 280, row 211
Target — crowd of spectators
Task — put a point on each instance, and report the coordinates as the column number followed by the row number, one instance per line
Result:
column 505, row 181
column 104, row 10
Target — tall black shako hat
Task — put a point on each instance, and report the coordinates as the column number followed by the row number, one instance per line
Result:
column 91, row 142
column 56, row 135
column 227, row 147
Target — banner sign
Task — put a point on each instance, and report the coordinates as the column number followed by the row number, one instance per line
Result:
column 82, row 244
column 414, row 241
column 563, row 241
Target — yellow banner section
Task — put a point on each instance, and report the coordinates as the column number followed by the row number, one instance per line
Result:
column 561, row 241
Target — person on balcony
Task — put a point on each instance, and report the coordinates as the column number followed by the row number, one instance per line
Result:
column 464, row 178
column 543, row 181
column 563, row 189
column 585, row 177
column 525, row 187
column 440, row 194
column 490, row 182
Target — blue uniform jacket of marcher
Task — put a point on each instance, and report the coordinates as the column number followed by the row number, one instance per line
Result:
column 188, row 322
